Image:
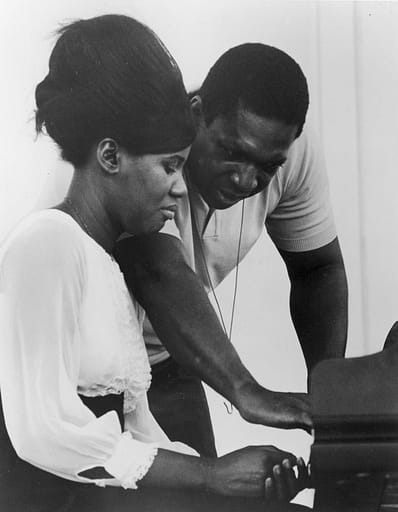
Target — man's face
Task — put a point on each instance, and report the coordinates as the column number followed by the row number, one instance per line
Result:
column 234, row 158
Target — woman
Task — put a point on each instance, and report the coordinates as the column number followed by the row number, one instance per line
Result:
column 75, row 371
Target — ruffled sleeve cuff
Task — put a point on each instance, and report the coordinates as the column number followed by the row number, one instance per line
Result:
column 131, row 460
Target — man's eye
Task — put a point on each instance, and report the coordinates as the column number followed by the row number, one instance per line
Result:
column 228, row 153
column 232, row 155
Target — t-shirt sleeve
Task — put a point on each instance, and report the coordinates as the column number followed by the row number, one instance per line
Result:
column 43, row 285
column 302, row 219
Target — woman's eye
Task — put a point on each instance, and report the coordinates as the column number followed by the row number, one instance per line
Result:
column 173, row 165
column 170, row 169
column 271, row 168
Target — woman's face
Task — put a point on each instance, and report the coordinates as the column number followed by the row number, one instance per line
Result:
column 149, row 187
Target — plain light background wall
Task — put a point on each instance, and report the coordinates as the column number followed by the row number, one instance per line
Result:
column 349, row 53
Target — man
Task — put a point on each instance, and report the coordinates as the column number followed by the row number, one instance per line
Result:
column 249, row 166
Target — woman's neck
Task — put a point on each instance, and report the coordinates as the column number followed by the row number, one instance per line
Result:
column 86, row 207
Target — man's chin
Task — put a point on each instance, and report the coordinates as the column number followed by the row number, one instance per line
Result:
column 221, row 201
column 217, row 204
column 223, row 206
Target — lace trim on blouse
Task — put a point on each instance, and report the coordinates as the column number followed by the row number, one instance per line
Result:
column 135, row 378
column 130, row 461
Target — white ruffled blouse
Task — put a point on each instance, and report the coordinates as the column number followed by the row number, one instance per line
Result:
column 69, row 326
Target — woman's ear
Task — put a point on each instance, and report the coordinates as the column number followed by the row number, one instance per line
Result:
column 108, row 156
column 197, row 109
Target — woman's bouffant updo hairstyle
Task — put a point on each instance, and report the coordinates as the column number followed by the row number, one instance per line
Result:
column 111, row 76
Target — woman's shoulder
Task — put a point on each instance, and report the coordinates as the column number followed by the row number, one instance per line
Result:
column 47, row 235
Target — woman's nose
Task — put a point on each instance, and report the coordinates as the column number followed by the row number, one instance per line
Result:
column 179, row 187
column 245, row 179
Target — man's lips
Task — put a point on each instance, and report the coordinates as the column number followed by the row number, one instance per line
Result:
column 229, row 197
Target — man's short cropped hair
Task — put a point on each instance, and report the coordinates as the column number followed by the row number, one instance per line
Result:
column 260, row 78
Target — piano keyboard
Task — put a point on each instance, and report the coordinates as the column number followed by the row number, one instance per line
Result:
column 389, row 500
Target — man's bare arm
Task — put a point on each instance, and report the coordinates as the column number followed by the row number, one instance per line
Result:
column 318, row 301
column 176, row 302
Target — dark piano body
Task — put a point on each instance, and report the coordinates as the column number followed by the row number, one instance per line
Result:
column 354, row 458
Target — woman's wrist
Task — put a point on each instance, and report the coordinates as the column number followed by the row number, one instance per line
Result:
column 179, row 471
column 207, row 468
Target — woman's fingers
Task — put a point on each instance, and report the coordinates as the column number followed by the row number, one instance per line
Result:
column 285, row 481
column 291, row 483
column 280, row 483
column 302, row 474
column 269, row 489
column 284, row 484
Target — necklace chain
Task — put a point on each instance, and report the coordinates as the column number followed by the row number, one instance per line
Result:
column 84, row 225
column 203, row 255
column 77, row 216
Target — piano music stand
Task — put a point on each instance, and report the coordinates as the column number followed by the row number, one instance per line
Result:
column 355, row 411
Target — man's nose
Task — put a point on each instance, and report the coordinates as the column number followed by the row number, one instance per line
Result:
column 245, row 179
column 179, row 187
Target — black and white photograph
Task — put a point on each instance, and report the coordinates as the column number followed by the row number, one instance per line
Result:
column 198, row 260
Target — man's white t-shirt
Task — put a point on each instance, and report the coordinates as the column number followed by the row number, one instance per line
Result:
column 295, row 209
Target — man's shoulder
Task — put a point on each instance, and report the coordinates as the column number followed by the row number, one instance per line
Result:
column 305, row 157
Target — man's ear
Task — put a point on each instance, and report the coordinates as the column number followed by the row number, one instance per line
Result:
column 197, row 110
column 108, row 156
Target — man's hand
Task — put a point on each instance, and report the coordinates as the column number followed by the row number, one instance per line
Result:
column 283, row 410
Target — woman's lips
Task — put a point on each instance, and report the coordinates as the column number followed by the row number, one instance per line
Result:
column 169, row 212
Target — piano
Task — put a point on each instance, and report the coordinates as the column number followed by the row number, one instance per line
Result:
column 354, row 458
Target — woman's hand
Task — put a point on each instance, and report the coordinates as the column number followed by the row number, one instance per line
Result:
column 245, row 473
column 284, row 484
